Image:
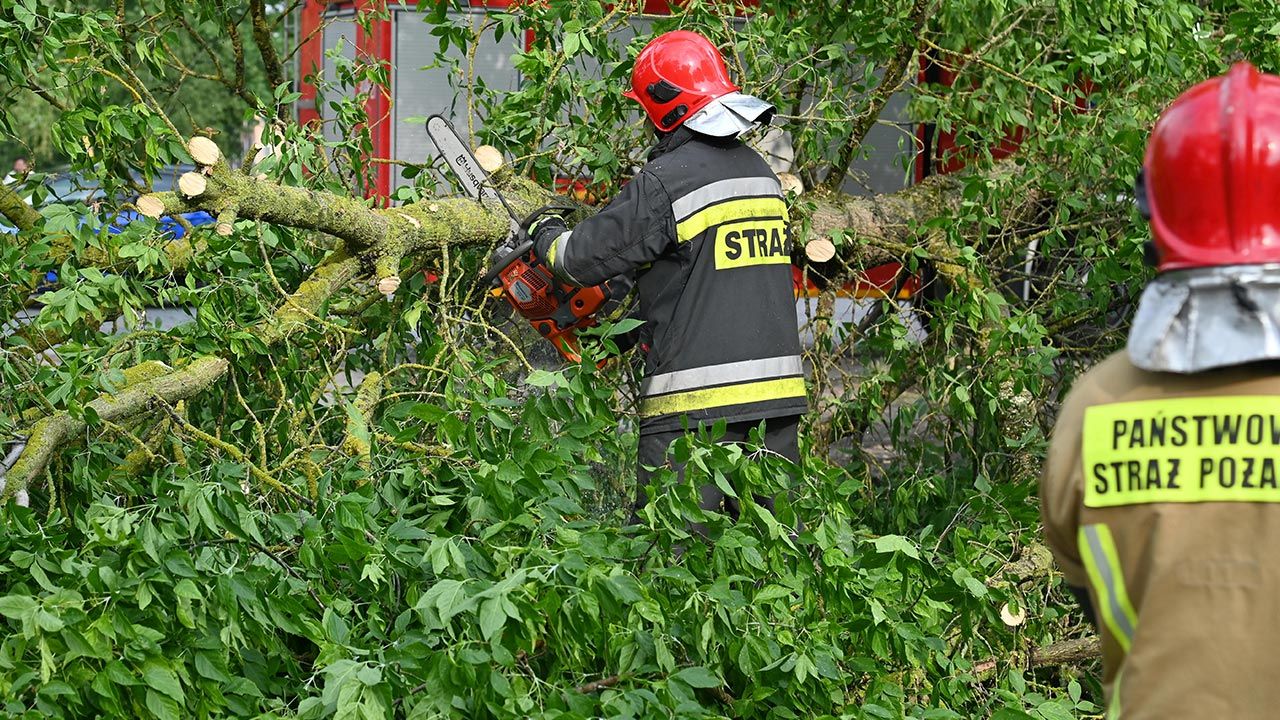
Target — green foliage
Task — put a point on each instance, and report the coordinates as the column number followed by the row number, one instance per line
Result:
column 475, row 581
column 476, row 562
column 108, row 72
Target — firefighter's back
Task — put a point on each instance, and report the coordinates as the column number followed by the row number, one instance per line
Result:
column 1169, row 484
column 725, row 342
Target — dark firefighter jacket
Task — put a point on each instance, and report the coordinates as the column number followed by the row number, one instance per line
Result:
column 704, row 227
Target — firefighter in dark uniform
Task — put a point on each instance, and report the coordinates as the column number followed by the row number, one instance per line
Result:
column 704, row 228
column 1161, row 493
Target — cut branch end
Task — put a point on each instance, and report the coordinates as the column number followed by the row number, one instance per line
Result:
column 791, row 185
column 226, row 222
column 820, row 250
column 151, row 206
column 204, row 151
column 388, row 285
column 192, row 184
column 490, row 158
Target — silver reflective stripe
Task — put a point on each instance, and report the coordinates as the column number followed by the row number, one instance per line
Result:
column 724, row 190
column 1113, row 589
column 722, row 374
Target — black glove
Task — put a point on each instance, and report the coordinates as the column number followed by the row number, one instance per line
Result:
column 543, row 227
column 544, row 231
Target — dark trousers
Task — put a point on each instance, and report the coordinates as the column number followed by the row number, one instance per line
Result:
column 780, row 436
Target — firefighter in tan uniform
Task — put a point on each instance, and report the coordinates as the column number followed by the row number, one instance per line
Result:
column 1161, row 492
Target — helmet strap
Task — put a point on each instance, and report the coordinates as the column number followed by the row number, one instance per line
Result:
column 1150, row 253
column 1141, row 196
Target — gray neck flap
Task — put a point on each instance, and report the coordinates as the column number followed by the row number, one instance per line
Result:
column 1194, row 320
column 730, row 115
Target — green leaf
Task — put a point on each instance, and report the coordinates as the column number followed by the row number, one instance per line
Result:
column 373, row 572
column 772, row 592
column 162, row 706
column 187, row 589
column 48, row 621
column 501, row 420
column 1054, row 710
column 492, row 617
column 157, row 675
column 622, row 327
column 428, row 413
column 337, row 677
column 448, row 597
column 209, row 668
column 698, row 677
column 369, row 675
column 542, row 378
column 17, row 607
column 896, row 543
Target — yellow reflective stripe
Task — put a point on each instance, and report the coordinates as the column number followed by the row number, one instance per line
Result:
column 1098, row 550
column 552, row 249
column 556, row 252
column 1113, row 707
column 1186, row 450
column 723, row 373
column 756, row 207
column 722, row 396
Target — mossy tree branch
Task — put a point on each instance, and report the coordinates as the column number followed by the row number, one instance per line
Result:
column 370, row 232
column 355, row 442
column 890, row 227
column 138, row 397
column 1066, row 652
column 12, row 206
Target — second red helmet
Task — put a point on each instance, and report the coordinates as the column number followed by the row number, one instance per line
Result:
column 1211, row 177
column 677, row 74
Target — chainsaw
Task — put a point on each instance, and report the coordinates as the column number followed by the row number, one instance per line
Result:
column 556, row 310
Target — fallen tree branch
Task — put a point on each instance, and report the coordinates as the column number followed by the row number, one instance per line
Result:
column 1066, row 652
column 141, row 396
column 372, row 232
column 882, row 228
column 886, row 228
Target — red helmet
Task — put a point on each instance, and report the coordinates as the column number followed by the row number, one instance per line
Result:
column 676, row 75
column 1211, row 177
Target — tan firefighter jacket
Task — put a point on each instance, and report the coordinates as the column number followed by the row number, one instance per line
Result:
column 1161, row 495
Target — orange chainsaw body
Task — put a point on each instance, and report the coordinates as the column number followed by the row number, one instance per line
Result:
column 554, row 309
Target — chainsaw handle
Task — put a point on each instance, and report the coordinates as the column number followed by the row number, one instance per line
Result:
column 504, row 262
